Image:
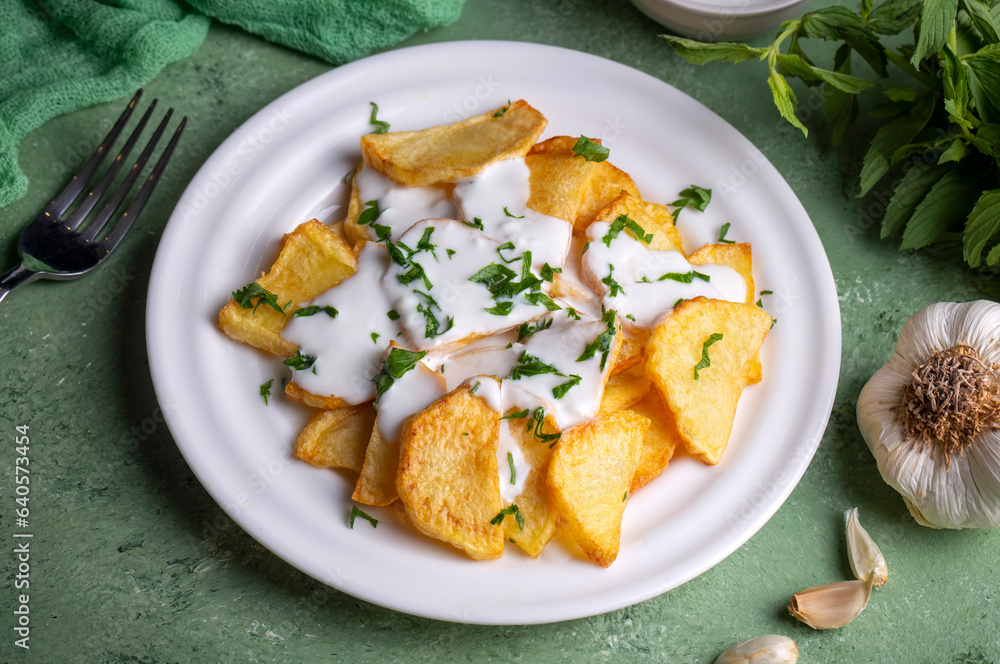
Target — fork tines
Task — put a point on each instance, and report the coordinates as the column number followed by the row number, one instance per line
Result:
column 93, row 231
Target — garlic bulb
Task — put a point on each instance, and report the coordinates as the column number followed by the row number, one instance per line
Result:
column 930, row 415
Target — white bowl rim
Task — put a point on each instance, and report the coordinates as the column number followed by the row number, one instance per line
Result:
column 709, row 10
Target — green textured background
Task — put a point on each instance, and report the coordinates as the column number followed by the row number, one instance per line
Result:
column 133, row 562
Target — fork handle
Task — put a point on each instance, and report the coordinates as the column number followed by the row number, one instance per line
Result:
column 18, row 276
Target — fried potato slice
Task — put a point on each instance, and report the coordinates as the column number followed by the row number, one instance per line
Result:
column 356, row 234
column 629, row 355
column 737, row 256
column 535, row 502
column 448, row 153
column 624, row 390
column 565, row 185
column 653, row 217
column 704, row 408
column 295, row 392
column 312, row 259
column 659, row 441
column 590, row 474
column 448, row 478
column 376, row 483
column 337, row 438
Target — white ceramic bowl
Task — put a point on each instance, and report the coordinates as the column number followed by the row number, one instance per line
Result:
column 721, row 20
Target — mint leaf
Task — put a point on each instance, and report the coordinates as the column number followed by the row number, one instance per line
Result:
column 893, row 16
column 982, row 226
column 984, row 82
column 838, row 80
column 937, row 18
column 699, row 53
column 839, row 107
column 785, row 100
column 948, row 202
column 842, row 24
column 909, row 192
column 890, row 138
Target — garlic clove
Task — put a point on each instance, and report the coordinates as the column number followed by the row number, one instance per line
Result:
column 865, row 556
column 768, row 649
column 831, row 605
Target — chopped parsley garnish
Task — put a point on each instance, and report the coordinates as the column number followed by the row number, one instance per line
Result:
column 527, row 329
column 549, row 273
column 355, row 513
column 516, row 414
column 585, row 247
column 677, row 303
column 623, row 222
column 300, row 361
column 705, row 361
column 314, row 309
column 451, row 252
column 507, row 246
column 695, row 197
column 613, row 286
column 760, row 300
column 590, row 150
column 625, row 497
column 392, row 314
column 424, row 244
column 510, row 462
column 254, row 291
column 476, row 223
column 572, row 313
column 375, row 336
column 529, row 365
column 265, row 390
column 433, row 327
column 472, row 390
column 500, row 113
column 630, row 317
column 396, row 365
column 559, row 391
column 535, row 425
column 602, row 344
column 722, row 234
column 380, row 126
column 369, row 214
column 415, row 271
column 511, row 509
column 500, row 309
column 684, row 277
column 540, row 298
column 511, row 214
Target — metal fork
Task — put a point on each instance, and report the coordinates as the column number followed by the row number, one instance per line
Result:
column 54, row 247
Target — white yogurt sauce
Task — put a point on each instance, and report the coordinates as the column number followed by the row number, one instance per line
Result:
column 642, row 292
column 498, row 197
column 411, row 393
column 349, row 348
column 401, row 206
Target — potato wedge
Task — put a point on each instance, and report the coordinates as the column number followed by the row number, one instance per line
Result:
column 448, row 153
column 295, row 392
column 737, row 256
column 624, row 390
column 567, row 186
column 590, row 474
column 337, row 438
column 448, row 479
column 629, row 355
column 535, row 502
column 376, row 483
column 704, row 407
column 653, row 218
column 659, row 441
column 312, row 259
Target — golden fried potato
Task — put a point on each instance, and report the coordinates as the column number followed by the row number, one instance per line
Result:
column 295, row 392
column 535, row 502
column 337, row 438
column 623, row 390
column 376, row 483
column 659, row 441
column 567, row 186
column 629, row 355
column 737, row 256
column 356, row 234
column 590, row 474
column 654, row 218
column 448, row 153
column 448, row 478
column 312, row 259
column 704, row 407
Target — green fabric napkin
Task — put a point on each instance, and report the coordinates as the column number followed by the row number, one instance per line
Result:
column 63, row 55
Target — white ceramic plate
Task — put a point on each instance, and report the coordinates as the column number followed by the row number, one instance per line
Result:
column 285, row 165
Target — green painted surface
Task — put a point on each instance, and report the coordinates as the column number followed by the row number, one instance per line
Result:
column 132, row 561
